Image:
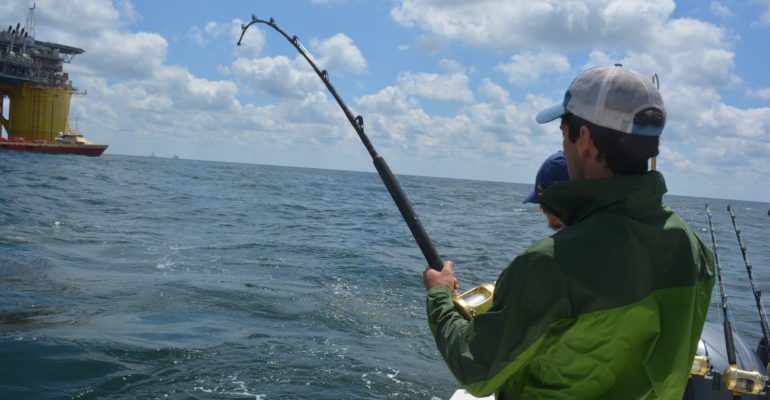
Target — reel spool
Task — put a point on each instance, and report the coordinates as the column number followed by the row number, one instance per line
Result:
column 740, row 381
column 475, row 301
column 701, row 366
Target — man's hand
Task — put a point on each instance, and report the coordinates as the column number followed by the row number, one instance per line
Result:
column 446, row 277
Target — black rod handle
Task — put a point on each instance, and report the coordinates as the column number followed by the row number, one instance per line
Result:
column 408, row 213
column 729, row 344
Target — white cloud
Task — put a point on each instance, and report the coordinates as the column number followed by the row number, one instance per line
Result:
column 338, row 54
column 388, row 101
column 127, row 10
column 196, row 34
column 432, row 44
column 687, row 53
column 277, row 76
column 598, row 57
column 551, row 24
column 679, row 49
column 192, row 93
column 124, row 55
column 451, row 87
column 486, row 133
column 720, row 10
column 726, row 143
column 764, row 17
column 212, row 29
column 491, row 133
column 698, row 119
column 216, row 29
column 693, row 52
column 527, row 67
column 669, row 158
column 451, row 65
column 92, row 16
column 444, row 87
column 251, row 46
column 751, row 124
column 760, row 93
column 494, row 92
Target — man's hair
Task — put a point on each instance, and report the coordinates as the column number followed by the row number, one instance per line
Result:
column 622, row 153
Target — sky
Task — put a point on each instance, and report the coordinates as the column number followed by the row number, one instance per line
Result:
column 446, row 88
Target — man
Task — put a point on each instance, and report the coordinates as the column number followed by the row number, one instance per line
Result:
column 553, row 169
column 611, row 306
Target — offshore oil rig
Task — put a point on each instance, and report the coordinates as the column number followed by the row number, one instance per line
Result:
column 35, row 94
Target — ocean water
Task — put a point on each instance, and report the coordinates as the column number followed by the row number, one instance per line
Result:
column 148, row 278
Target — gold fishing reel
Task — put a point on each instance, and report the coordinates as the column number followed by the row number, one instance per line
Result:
column 701, row 366
column 740, row 381
column 475, row 301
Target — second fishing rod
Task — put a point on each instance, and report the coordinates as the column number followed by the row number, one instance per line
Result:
column 755, row 289
column 736, row 380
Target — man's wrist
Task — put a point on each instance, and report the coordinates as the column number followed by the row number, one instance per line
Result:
column 438, row 290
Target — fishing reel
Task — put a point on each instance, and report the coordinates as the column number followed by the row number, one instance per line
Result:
column 735, row 380
column 475, row 301
column 740, row 381
column 701, row 366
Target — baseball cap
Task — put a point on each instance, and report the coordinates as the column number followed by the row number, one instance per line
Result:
column 609, row 97
column 554, row 169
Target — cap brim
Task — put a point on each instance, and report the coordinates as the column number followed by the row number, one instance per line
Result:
column 551, row 113
column 531, row 198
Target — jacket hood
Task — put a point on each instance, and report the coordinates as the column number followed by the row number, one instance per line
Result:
column 573, row 201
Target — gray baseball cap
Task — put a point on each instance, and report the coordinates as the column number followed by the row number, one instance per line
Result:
column 609, row 97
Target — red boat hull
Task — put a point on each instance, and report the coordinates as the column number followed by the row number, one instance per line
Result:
column 93, row 150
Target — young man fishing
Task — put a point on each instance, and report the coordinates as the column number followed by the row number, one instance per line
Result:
column 612, row 306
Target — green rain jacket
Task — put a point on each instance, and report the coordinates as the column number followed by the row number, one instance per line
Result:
column 610, row 307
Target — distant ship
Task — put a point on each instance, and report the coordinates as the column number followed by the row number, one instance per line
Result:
column 37, row 92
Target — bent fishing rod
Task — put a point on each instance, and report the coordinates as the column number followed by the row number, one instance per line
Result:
column 754, row 288
column 390, row 181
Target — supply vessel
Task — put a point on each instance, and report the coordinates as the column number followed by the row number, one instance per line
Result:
column 35, row 94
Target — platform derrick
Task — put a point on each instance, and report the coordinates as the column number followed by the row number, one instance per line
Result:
column 35, row 94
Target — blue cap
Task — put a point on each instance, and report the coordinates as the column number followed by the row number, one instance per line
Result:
column 554, row 169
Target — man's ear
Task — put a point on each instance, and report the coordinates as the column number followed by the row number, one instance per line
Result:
column 585, row 142
column 586, row 147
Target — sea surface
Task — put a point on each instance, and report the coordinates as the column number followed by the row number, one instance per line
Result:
column 148, row 278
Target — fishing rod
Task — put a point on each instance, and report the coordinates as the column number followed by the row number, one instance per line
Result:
column 723, row 297
column 754, row 288
column 736, row 380
column 390, row 181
